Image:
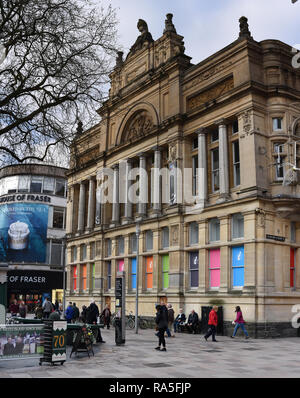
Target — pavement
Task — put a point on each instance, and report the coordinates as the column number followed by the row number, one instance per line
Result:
column 187, row 356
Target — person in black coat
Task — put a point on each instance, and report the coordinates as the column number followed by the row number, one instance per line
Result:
column 106, row 314
column 161, row 321
column 92, row 313
column 83, row 314
column 192, row 322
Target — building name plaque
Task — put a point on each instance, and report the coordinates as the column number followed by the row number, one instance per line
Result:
column 278, row 238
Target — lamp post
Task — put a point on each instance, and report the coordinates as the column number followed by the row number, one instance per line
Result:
column 137, row 277
column 64, row 274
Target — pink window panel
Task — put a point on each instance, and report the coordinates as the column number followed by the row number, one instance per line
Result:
column 121, row 265
column 214, row 265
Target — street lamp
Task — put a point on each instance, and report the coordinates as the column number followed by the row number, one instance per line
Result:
column 64, row 274
column 137, row 231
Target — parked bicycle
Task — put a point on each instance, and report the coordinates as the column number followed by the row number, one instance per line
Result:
column 131, row 322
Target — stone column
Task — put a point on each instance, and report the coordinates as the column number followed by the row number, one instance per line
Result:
column 70, row 210
column 128, row 203
column 143, row 187
column 91, row 204
column 223, row 160
column 157, row 181
column 202, row 167
column 81, row 207
column 116, row 204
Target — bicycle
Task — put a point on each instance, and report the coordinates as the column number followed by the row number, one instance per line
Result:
column 131, row 322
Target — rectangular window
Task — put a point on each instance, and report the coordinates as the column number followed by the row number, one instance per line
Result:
column 24, row 183
column 194, row 269
column 149, row 240
column 214, row 230
column 120, row 245
column 133, row 239
column 165, row 237
column 293, row 231
column 214, row 268
column 149, row 272
column 83, row 277
column 215, row 135
column 58, row 218
column 93, row 276
column 195, row 143
column 48, row 187
column 236, row 163
column 215, row 170
column 235, row 127
column 195, row 175
column 277, row 123
column 74, row 277
column 60, row 187
column 36, row 184
column 74, row 254
column 12, row 184
column 237, row 226
column 108, row 275
column 292, row 267
column 133, row 273
column 92, row 250
column 82, row 252
column 279, row 161
column 193, row 233
column 108, row 247
column 238, row 266
column 165, row 271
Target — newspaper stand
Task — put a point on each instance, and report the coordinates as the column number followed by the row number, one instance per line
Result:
column 54, row 336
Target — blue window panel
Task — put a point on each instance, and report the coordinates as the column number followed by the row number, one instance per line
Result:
column 238, row 276
column 238, row 256
column 133, row 273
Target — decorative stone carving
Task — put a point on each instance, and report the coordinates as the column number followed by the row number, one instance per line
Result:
column 172, row 152
column 119, row 59
column 145, row 37
column 175, row 235
column 244, row 28
column 139, row 126
column 210, row 94
column 247, row 122
column 169, row 26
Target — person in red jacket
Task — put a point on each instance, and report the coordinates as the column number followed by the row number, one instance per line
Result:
column 212, row 323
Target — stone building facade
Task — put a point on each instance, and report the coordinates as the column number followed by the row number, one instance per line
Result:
column 232, row 120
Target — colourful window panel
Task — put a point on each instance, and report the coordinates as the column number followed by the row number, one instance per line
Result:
column 74, row 277
column 194, row 269
column 214, row 268
column 292, row 267
column 238, row 266
column 84, row 275
column 133, row 273
column 121, row 265
column 149, row 272
column 165, row 270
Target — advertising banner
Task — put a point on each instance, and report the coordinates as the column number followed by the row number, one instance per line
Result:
column 21, row 341
column 23, row 232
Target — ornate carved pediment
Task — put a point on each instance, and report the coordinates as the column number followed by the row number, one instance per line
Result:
column 137, row 127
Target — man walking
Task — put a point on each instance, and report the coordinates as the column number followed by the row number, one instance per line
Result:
column 170, row 320
column 76, row 313
column 161, row 321
column 47, row 307
column 106, row 314
column 212, row 323
column 69, row 313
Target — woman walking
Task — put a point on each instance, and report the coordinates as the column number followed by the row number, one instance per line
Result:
column 239, row 322
column 161, row 321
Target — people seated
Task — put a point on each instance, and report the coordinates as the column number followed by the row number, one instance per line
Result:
column 193, row 322
column 179, row 321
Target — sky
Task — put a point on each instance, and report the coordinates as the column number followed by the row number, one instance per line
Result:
column 208, row 25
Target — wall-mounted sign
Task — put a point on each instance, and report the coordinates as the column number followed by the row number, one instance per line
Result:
column 277, row 238
column 23, row 232
column 25, row 197
column 34, row 280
